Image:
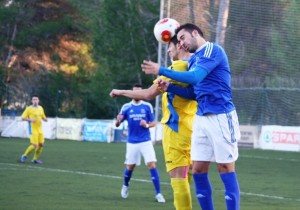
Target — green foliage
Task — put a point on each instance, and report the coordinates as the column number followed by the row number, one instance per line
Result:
column 121, row 36
column 44, row 31
column 124, row 36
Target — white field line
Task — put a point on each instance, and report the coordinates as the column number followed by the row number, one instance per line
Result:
column 268, row 158
column 38, row 168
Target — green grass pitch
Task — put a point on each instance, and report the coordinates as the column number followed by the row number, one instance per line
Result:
column 88, row 175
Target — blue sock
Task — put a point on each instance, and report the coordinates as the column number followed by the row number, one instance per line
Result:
column 203, row 191
column 127, row 176
column 155, row 179
column 232, row 190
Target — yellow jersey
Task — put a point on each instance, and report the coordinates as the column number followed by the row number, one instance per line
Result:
column 36, row 113
column 178, row 113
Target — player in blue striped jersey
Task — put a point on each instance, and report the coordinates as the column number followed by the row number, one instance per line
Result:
column 140, row 117
column 216, row 128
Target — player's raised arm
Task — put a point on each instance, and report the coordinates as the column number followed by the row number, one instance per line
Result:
column 140, row 94
column 150, row 67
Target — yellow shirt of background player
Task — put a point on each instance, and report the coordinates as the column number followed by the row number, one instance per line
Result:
column 186, row 109
column 36, row 113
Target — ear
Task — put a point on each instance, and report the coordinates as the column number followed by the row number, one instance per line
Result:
column 195, row 33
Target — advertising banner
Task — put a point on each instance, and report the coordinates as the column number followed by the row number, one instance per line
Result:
column 19, row 129
column 249, row 136
column 285, row 138
column 69, row 129
column 97, row 130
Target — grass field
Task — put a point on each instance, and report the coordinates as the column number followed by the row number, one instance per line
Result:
column 87, row 176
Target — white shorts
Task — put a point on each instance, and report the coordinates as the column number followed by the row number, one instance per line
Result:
column 134, row 152
column 215, row 137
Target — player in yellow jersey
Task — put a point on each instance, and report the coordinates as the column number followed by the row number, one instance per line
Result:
column 178, row 116
column 34, row 115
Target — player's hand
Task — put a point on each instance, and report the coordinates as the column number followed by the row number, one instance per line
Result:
column 114, row 93
column 117, row 124
column 162, row 85
column 150, row 67
column 119, row 119
column 143, row 123
column 31, row 120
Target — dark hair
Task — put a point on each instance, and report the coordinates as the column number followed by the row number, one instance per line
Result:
column 34, row 95
column 137, row 85
column 189, row 27
column 174, row 40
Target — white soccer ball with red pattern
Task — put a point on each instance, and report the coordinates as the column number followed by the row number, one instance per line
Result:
column 164, row 30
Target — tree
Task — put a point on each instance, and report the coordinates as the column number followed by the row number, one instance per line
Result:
column 222, row 21
column 125, row 38
column 43, row 40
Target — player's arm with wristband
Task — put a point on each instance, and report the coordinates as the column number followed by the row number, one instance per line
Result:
column 192, row 77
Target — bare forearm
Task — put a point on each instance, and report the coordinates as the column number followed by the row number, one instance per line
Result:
column 144, row 94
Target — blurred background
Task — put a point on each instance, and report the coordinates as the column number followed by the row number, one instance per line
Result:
column 72, row 53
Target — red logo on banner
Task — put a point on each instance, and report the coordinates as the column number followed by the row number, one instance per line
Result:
column 285, row 138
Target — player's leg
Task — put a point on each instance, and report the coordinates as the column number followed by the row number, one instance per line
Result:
column 202, row 184
column 181, row 188
column 232, row 189
column 127, row 176
column 177, row 157
column 132, row 159
column 148, row 153
column 226, row 153
column 38, row 149
column 202, row 154
column 33, row 145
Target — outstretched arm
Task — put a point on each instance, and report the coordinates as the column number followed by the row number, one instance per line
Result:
column 144, row 94
column 192, row 77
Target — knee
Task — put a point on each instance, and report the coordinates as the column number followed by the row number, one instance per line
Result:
column 225, row 167
column 151, row 165
column 130, row 167
column 200, row 167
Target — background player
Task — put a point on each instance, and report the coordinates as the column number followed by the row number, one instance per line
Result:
column 139, row 115
column 216, row 127
column 177, row 119
column 34, row 114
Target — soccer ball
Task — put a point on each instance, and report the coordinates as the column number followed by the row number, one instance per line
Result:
column 164, row 30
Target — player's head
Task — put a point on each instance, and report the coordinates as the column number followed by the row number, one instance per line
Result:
column 35, row 100
column 188, row 36
column 137, row 86
column 173, row 48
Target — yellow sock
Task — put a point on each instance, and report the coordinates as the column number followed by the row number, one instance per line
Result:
column 29, row 149
column 37, row 153
column 182, row 193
